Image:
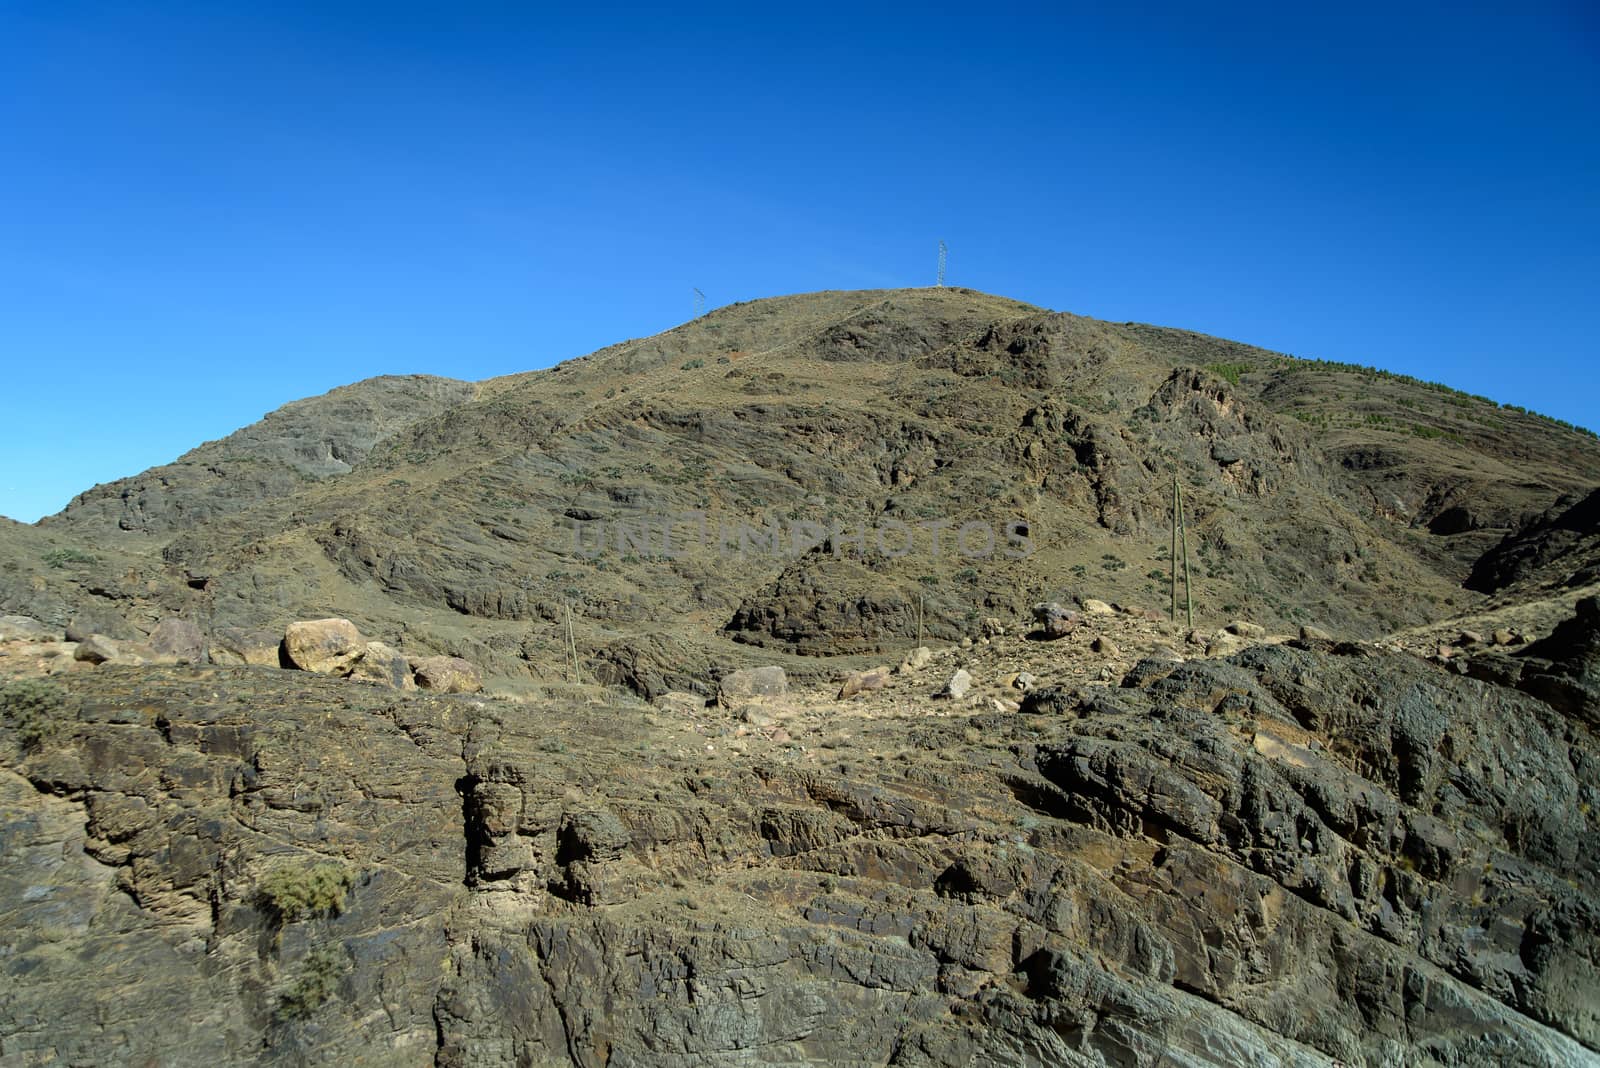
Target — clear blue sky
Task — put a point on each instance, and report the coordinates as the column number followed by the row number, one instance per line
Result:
column 209, row 209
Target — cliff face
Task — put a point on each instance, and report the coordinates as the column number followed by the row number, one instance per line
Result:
column 1303, row 854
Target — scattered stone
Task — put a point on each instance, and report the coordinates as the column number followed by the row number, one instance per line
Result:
column 1105, row 646
column 1504, row 637
column 25, row 629
column 383, row 665
column 326, row 646
column 1246, row 629
column 757, row 716
column 1149, row 670
column 447, row 674
column 178, row 640
column 242, row 645
column 96, row 649
column 680, row 701
column 915, row 660
column 1197, row 637
column 1050, row 701
column 1469, row 637
column 1097, row 608
column 992, row 627
column 966, row 643
column 1226, row 643
column 1308, row 633
column 1004, row 704
column 858, row 682
column 1054, row 620
column 1447, row 652
column 1022, row 680
column 768, row 681
column 958, row 685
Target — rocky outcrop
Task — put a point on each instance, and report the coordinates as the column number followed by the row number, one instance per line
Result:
column 1299, row 856
column 326, row 646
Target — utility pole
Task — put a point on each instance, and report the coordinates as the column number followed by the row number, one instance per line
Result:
column 944, row 254
column 1180, row 532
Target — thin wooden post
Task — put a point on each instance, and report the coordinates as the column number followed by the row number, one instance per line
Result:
column 919, row 621
column 1173, row 568
column 1188, row 588
column 572, row 646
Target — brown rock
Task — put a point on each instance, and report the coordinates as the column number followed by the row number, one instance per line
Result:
column 96, row 649
column 383, row 665
column 1504, row 637
column 1097, row 608
column 1308, row 633
column 241, row 645
column 1245, row 629
column 915, row 660
column 858, row 682
column 769, row 681
column 680, row 701
column 26, row 629
column 327, row 646
column 178, row 640
column 447, row 674
column 1105, row 646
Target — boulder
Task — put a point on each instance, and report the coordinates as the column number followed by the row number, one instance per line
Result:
column 26, row 629
column 386, row 666
column 1308, row 633
column 1097, row 608
column 680, row 701
column 859, row 682
column 1245, row 629
column 1054, row 620
column 447, row 674
column 958, row 685
column 769, row 681
column 992, row 627
column 242, row 645
column 1504, row 637
column 916, row 660
column 1226, row 643
column 1105, row 646
column 178, row 640
column 99, row 649
column 326, row 646
column 96, row 649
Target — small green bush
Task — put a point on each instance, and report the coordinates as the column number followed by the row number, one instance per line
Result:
column 35, row 708
column 293, row 891
column 317, row 982
column 63, row 557
column 690, row 365
column 1229, row 371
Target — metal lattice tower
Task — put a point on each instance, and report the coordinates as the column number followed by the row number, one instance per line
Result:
column 944, row 254
column 699, row 303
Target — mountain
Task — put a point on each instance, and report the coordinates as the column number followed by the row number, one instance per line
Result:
column 1313, row 491
column 831, row 714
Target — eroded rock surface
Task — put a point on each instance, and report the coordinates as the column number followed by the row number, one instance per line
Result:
column 1300, row 855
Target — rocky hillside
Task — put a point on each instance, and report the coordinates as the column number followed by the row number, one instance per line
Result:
column 472, row 517
column 797, row 687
